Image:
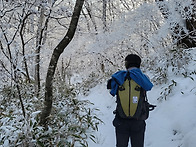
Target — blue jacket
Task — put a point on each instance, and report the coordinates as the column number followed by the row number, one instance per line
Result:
column 135, row 74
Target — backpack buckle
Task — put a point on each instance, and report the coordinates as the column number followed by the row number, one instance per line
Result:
column 151, row 107
column 121, row 88
column 137, row 88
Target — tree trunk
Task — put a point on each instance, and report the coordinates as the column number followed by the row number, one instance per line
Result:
column 39, row 38
column 104, row 15
column 54, row 59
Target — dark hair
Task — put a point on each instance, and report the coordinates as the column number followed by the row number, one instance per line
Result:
column 132, row 60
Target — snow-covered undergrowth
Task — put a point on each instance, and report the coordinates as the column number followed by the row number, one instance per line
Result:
column 71, row 122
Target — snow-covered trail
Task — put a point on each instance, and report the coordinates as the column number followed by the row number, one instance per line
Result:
column 171, row 124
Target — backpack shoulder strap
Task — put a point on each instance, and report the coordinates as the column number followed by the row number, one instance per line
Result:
column 128, row 75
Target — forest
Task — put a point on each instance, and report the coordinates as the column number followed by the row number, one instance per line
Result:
column 54, row 51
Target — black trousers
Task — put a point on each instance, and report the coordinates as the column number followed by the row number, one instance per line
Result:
column 129, row 129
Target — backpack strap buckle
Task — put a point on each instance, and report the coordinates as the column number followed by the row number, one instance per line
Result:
column 151, row 107
column 121, row 88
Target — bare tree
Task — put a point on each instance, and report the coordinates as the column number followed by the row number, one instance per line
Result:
column 39, row 39
column 89, row 11
column 54, row 59
column 11, row 52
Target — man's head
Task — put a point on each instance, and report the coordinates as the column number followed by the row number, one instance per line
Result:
column 132, row 60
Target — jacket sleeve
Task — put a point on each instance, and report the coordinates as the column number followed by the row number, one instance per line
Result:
column 109, row 84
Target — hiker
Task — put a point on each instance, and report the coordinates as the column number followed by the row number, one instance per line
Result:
column 130, row 124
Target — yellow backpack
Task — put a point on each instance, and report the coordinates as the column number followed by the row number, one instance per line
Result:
column 132, row 102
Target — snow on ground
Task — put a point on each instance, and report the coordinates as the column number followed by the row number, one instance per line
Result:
column 106, row 103
column 171, row 124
